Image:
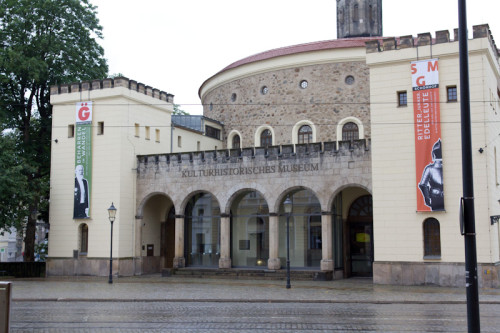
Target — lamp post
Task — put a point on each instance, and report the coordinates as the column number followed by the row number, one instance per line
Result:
column 288, row 210
column 112, row 216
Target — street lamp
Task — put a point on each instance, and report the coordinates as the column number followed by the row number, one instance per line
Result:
column 288, row 210
column 112, row 216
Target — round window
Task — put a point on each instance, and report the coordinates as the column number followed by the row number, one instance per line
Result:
column 264, row 90
column 304, row 84
column 349, row 80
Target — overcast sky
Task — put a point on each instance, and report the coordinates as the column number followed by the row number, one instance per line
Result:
column 175, row 45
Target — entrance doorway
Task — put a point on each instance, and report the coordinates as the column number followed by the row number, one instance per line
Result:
column 168, row 240
column 360, row 226
column 361, row 246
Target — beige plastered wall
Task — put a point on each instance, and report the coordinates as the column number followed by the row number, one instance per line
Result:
column 114, row 167
column 398, row 227
column 193, row 141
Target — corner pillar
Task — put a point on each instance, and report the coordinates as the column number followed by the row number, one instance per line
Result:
column 274, row 260
column 179, row 260
column 225, row 246
column 138, row 246
column 327, row 242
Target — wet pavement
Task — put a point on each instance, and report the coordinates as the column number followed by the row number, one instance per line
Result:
column 179, row 304
column 157, row 288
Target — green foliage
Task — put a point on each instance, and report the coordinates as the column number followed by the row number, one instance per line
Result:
column 178, row 111
column 13, row 184
column 43, row 43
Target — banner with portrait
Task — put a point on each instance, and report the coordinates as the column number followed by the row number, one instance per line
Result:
column 428, row 143
column 83, row 160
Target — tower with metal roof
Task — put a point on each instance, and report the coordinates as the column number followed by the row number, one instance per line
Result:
column 359, row 18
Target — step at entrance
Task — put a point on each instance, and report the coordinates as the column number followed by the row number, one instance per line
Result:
column 262, row 274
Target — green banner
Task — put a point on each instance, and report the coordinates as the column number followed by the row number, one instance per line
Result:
column 83, row 160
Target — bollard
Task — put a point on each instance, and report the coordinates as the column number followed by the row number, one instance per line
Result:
column 5, row 299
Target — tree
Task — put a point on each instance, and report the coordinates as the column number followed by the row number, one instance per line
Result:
column 178, row 111
column 13, row 183
column 43, row 43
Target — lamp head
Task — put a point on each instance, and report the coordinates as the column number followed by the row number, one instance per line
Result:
column 112, row 213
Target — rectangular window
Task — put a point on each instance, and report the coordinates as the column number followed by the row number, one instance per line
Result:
column 402, row 98
column 212, row 132
column 147, row 133
column 157, row 135
column 100, row 128
column 198, row 145
column 179, row 141
column 71, row 131
column 451, row 92
column 136, row 130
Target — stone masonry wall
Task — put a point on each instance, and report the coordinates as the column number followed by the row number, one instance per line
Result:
column 320, row 167
column 241, row 104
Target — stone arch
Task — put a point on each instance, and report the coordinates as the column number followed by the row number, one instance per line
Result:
column 337, row 191
column 282, row 196
column 298, row 125
column 154, row 240
column 201, row 215
column 188, row 197
column 140, row 207
column 236, row 193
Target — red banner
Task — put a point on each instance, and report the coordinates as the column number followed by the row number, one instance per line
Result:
column 428, row 145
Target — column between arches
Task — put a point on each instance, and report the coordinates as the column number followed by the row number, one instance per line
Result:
column 179, row 260
column 225, row 241
column 327, row 242
column 274, row 260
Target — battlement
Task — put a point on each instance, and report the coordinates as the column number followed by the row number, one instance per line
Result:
column 354, row 149
column 111, row 83
column 442, row 36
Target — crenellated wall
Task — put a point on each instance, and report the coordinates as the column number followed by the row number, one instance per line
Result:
column 423, row 39
column 322, row 167
column 261, row 154
column 112, row 83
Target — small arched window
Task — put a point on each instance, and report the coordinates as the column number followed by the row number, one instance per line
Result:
column 350, row 132
column 305, row 134
column 266, row 138
column 432, row 239
column 236, row 142
column 84, row 239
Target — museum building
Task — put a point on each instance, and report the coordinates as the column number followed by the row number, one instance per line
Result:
column 334, row 126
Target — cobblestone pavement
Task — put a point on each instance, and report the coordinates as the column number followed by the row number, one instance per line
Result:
column 174, row 304
column 245, row 317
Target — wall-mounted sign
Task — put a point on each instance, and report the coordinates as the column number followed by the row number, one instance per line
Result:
column 428, row 143
column 83, row 160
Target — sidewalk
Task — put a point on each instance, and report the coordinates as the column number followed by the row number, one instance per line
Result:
column 154, row 288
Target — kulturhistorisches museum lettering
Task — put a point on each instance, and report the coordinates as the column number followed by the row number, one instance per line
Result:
column 251, row 170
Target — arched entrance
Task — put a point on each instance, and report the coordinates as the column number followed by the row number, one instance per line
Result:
column 249, row 230
column 202, row 231
column 305, row 231
column 157, row 234
column 168, row 239
column 360, row 225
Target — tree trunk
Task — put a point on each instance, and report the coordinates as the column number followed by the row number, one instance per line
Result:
column 29, row 240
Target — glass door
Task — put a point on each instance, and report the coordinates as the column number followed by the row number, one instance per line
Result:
column 361, row 245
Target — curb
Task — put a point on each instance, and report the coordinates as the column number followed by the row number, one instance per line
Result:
column 219, row 300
